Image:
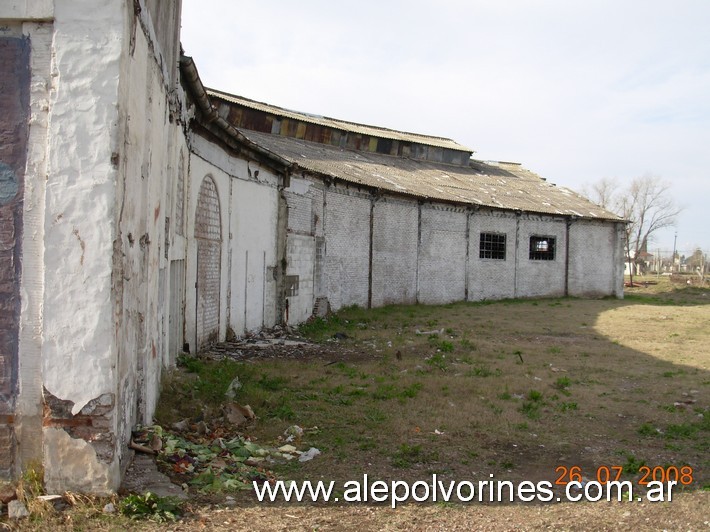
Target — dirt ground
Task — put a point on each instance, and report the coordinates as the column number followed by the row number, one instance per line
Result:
column 522, row 390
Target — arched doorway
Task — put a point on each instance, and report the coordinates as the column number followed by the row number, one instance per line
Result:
column 208, row 234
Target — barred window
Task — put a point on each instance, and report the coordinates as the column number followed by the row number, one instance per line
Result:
column 542, row 248
column 492, row 246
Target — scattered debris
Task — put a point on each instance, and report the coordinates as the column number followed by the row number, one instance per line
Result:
column 109, row 508
column 233, row 388
column 237, row 414
column 57, row 501
column 310, row 454
column 427, row 333
column 16, row 510
column 293, row 433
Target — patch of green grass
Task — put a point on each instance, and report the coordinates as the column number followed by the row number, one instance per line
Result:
column 407, row 455
column 633, row 464
column 437, row 360
column 647, row 429
column 483, row 371
column 535, row 396
column 190, row 363
column 531, row 410
column 446, row 347
column 562, row 383
column 564, row 407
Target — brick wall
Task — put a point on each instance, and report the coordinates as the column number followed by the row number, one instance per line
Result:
column 592, row 249
column 394, row 261
column 431, row 253
column 536, row 278
column 491, row 278
column 442, row 255
column 14, row 101
column 347, row 234
column 300, row 215
column 208, row 233
column 300, row 250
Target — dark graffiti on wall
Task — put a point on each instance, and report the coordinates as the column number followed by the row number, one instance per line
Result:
column 14, row 112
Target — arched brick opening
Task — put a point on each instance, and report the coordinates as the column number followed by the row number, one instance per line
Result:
column 208, row 233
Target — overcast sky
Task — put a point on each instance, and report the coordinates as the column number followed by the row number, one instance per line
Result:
column 575, row 91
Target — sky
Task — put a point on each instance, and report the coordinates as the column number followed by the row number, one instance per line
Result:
column 575, row 91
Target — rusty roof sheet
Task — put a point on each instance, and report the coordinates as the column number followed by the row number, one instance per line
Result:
column 498, row 185
column 352, row 127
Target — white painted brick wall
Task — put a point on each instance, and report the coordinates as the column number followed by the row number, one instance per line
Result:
column 394, row 262
column 491, row 278
column 300, row 217
column 592, row 256
column 537, row 278
column 347, row 233
column 442, row 256
column 300, row 250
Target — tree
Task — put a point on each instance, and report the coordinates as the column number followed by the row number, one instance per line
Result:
column 696, row 262
column 646, row 204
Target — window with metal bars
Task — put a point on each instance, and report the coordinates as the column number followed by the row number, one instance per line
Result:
column 492, row 246
column 542, row 248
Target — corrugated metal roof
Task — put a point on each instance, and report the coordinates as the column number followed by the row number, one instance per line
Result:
column 362, row 129
column 498, row 185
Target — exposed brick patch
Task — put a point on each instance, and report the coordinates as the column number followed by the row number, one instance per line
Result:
column 92, row 424
column 208, row 232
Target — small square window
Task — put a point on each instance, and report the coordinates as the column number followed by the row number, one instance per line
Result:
column 542, row 248
column 291, row 285
column 492, row 246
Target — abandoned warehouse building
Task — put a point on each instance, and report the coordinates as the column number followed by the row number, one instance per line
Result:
column 143, row 214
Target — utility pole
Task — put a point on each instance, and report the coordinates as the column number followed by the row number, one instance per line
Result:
column 675, row 239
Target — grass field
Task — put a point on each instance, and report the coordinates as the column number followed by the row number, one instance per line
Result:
column 519, row 389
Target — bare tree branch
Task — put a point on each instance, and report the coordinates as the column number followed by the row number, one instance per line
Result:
column 646, row 203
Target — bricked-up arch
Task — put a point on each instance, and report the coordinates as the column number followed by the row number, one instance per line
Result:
column 208, row 233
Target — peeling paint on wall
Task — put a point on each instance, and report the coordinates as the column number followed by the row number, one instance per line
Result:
column 14, row 111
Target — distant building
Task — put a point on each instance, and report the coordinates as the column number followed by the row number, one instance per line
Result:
column 142, row 213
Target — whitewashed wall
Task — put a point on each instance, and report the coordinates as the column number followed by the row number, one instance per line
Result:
column 249, row 223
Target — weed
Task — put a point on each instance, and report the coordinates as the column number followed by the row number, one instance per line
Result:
column 683, row 431
column 283, row 412
column 150, row 506
column 407, row 455
column 535, row 396
column 564, row 407
column 562, row 383
column 633, row 464
column 483, row 371
column 272, row 384
column 190, row 363
column 647, row 429
column 531, row 410
column 437, row 360
column 446, row 347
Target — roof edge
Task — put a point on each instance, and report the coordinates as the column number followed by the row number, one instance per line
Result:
column 211, row 117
